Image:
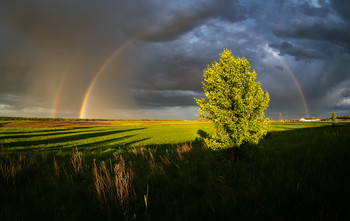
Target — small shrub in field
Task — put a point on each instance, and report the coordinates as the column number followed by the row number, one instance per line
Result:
column 334, row 118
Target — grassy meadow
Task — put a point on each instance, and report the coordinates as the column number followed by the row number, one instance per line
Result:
column 158, row 170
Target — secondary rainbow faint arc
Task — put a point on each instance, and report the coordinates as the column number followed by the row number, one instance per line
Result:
column 100, row 71
column 58, row 95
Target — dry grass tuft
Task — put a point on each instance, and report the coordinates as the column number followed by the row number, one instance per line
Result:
column 134, row 150
column 156, row 168
column 102, row 182
column 115, row 185
column 77, row 160
column 10, row 168
column 165, row 160
column 142, row 151
column 123, row 182
column 56, row 167
column 184, row 148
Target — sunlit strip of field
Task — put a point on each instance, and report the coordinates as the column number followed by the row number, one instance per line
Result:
column 42, row 123
column 95, row 137
column 107, row 136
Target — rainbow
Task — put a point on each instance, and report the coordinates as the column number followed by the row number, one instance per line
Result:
column 301, row 91
column 58, row 94
column 100, row 71
column 290, row 71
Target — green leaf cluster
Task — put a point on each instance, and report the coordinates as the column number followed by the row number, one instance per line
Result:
column 234, row 102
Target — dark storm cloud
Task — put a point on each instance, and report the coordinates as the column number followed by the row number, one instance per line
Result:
column 346, row 92
column 167, row 98
column 334, row 33
column 278, row 67
column 342, row 7
column 298, row 52
column 318, row 32
column 309, row 10
column 184, row 20
column 43, row 41
column 174, row 70
column 168, row 45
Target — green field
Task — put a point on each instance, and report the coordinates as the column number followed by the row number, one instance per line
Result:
column 31, row 137
column 100, row 138
column 157, row 170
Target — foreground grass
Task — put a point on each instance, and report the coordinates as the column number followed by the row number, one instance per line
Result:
column 299, row 172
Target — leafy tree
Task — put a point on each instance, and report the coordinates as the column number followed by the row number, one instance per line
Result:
column 234, row 102
column 334, row 118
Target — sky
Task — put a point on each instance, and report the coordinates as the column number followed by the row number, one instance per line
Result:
column 118, row 59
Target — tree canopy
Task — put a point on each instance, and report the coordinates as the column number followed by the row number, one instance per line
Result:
column 234, row 102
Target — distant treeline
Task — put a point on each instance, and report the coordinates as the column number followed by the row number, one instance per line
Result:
column 48, row 119
column 69, row 119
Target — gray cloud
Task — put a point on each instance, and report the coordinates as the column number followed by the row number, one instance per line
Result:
column 167, row 98
column 333, row 33
column 184, row 20
column 298, row 52
column 342, row 7
column 322, row 11
column 278, row 67
column 346, row 93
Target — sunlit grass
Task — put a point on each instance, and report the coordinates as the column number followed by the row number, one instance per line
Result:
column 93, row 138
column 117, row 134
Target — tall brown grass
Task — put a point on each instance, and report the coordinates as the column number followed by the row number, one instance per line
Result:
column 102, row 182
column 183, row 149
column 155, row 166
column 115, row 185
column 77, row 161
column 11, row 167
column 56, row 167
column 123, row 178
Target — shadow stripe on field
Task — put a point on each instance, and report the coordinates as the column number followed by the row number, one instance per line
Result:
column 67, row 138
column 44, row 134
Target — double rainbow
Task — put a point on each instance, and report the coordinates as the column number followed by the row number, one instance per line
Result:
column 126, row 44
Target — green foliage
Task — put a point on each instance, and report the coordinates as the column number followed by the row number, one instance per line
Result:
column 334, row 118
column 235, row 103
